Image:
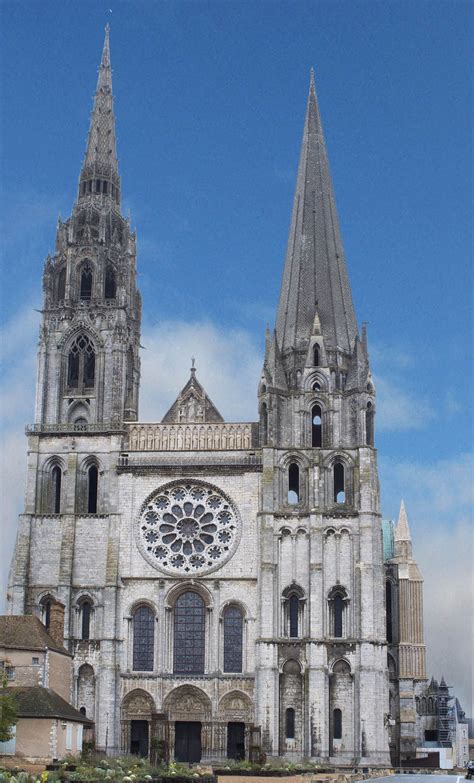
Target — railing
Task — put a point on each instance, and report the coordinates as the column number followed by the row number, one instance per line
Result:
column 66, row 428
column 193, row 437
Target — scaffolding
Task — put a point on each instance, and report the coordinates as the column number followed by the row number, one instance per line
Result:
column 446, row 728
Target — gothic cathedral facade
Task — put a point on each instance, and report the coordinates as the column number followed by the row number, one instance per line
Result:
column 224, row 584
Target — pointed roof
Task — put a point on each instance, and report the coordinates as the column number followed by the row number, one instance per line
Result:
column 101, row 151
column 402, row 530
column 315, row 269
column 192, row 405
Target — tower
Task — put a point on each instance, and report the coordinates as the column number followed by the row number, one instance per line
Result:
column 322, row 632
column 407, row 652
column 88, row 363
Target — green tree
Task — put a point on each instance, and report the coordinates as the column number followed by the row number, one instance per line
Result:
column 8, row 717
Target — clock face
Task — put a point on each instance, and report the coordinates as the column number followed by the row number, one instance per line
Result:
column 187, row 528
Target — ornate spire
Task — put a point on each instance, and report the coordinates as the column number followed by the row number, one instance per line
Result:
column 315, row 267
column 100, row 173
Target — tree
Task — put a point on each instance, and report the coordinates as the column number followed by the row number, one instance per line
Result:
column 8, row 716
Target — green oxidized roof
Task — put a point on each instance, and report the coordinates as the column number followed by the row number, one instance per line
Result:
column 388, row 530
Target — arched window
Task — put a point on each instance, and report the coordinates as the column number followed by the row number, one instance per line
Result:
column 316, row 427
column 82, row 710
column 86, row 611
column 316, row 386
column 56, row 489
column 264, row 422
column 81, row 364
column 369, row 425
column 338, row 610
column 143, row 639
column 61, row 285
column 290, row 723
column 294, row 607
column 189, row 630
column 110, row 288
column 293, row 484
column 316, row 355
column 337, row 724
column 233, row 632
column 46, row 612
column 338, row 480
column 388, row 611
column 86, row 283
column 92, row 487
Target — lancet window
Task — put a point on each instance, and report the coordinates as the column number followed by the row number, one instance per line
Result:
column 293, row 483
column 81, row 364
column 85, row 293
column 110, row 287
column 189, row 634
column 233, row 639
column 339, row 483
column 316, row 426
column 143, row 639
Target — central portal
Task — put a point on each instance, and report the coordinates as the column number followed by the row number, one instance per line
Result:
column 187, row 746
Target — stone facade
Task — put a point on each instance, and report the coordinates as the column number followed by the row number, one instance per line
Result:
column 268, row 533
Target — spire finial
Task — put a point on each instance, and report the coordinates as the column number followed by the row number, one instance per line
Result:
column 193, row 368
column 312, row 86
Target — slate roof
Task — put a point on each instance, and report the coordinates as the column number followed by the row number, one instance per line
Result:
column 37, row 702
column 26, row 632
column 315, row 272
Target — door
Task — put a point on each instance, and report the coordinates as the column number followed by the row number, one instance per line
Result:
column 236, row 741
column 187, row 741
column 139, row 737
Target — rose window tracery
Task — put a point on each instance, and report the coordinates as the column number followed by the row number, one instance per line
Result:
column 188, row 528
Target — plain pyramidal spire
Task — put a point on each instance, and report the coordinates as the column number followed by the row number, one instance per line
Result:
column 100, row 173
column 402, row 530
column 315, row 268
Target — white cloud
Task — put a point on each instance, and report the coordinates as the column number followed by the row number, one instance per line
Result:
column 228, row 366
column 398, row 409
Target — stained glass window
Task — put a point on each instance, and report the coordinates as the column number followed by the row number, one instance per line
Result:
column 290, row 723
column 143, row 639
column 338, row 610
column 337, row 724
column 189, row 627
column 233, row 627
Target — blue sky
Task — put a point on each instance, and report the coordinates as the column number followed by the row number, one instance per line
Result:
column 210, row 100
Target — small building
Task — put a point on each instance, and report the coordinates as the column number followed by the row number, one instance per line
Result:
column 47, row 728
column 38, row 673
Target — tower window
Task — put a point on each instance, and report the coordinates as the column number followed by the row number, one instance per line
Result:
column 316, row 355
column 290, row 723
column 316, row 427
column 81, row 364
column 46, row 613
column 337, row 724
column 110, row 288
column 294, row 606
column 189, row 630
column 338, row 481
column 61, row 289
column 369, row 425
column 388, row 611
column 56, row 481
column 105, row 186
column 293, row 484
column 233, row 630
column 86, row 284
column 92, row 487
column 338, row 610
column 86, row 611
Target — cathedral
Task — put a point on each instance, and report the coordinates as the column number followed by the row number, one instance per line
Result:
column 227, row 589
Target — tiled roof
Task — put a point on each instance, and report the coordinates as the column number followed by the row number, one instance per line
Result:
column 26, row 632
column 37, row 702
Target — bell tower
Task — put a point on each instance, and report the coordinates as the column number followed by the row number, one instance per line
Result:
column 88, row 362
column 322, row 646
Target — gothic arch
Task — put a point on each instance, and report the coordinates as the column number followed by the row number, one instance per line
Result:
column 186, row 702
column 79, row 327
column 235, row 706
column 137, row 704
column 340, row 666
column 189, row 586
column 316, row 377
column 234, row 602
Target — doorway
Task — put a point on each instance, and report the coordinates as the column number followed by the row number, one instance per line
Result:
column 139, row 737
column 236, row 741
column 187, row 746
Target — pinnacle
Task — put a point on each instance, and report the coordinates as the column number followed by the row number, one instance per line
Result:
column 402, row 530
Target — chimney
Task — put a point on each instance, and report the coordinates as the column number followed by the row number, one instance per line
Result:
column 56, row 622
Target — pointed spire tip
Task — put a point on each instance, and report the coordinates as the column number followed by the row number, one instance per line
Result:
column 312, row 86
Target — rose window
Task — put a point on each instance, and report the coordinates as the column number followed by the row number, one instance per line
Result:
column 188, row 528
